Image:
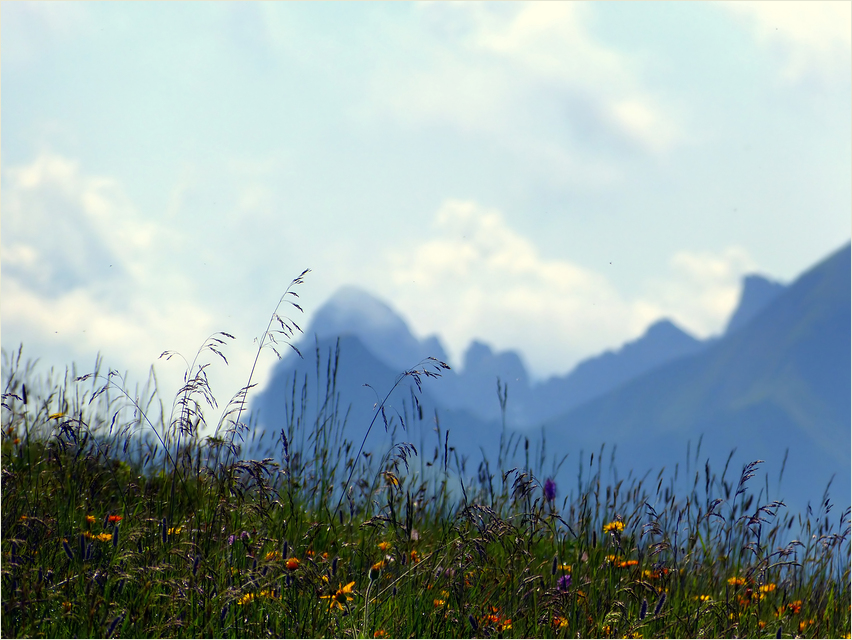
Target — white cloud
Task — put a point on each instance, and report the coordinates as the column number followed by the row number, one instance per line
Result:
column 82, row 273
column 810, row 36
column 532, row 78
column 702, row 289
column 475, row 276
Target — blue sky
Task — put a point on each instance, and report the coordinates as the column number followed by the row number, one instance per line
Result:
column 550, row 178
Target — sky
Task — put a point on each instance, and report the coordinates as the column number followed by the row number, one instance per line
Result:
column 546, row 177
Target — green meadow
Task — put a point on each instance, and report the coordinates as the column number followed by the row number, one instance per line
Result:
column 122, row 516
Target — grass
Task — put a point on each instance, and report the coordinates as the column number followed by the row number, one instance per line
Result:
column 122, row 519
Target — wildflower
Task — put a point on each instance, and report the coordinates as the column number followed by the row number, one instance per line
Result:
column 564, row 582
column 653, row 574
column 67, row 607
column 380, row 633
column 273, row 555
column 617, row 526
column 231, row 539
column 391, row 478
column 804, row 625
column 549, row 490
column 173, row 531
column 704, row 598
column 56, row 416
column 498, row 621
column 118, row 519
column 340, row 597
column 103, row 537
column 292, row 564
column 564, row 567
column 415, row 557
column 265, row 593
column 559, row 622
column 627, row 563
column 439, row 603
column 376, row 569
column 90, row 519
column 736, row 581
column 384, row 546
column 766, row 588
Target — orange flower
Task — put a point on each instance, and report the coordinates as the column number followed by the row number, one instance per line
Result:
column 380, row 633
column 103, row 537
column 90, row 519
column 736, row 581
column 273, row 555
column 114, row 519
column 415, row 557
column 292, row 564
column 384, row 546
column 376, row 569
column 628, row 563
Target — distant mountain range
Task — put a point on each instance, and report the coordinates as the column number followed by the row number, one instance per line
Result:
column 778, row 378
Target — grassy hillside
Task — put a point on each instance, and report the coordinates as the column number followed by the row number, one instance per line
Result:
column 106, row 534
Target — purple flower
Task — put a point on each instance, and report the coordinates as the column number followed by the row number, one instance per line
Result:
column 549, row 490
column 564, row 582
column 231, row 539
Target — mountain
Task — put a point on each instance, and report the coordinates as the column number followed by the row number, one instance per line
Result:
column 779, row 381
column 333, row 394
column 756, row 294
column 663, row 342
column 353, row 311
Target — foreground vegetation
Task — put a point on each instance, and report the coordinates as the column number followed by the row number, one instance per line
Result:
column 120, row 519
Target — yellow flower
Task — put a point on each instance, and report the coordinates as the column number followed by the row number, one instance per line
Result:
column 560, row 623
column 67, row 607
column 736, row 581
column 340, row 597
column 173, row 531
column 391, row 478
column 273, row 555
column 767, row 588
column 265, row 593
column 704, row 598
column 616, row 526
column 384, row 546
column 56, row 416
column 90, row 519
column 103, row 537
column 439, row 603
column 415, row 557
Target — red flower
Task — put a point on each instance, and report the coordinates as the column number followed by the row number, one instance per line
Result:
column 114, row 519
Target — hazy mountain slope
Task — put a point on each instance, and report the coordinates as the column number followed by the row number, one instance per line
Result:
column 756, row 294
column 353, row 311
column 782, row 380
column 357, row 367
column 661, row 343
